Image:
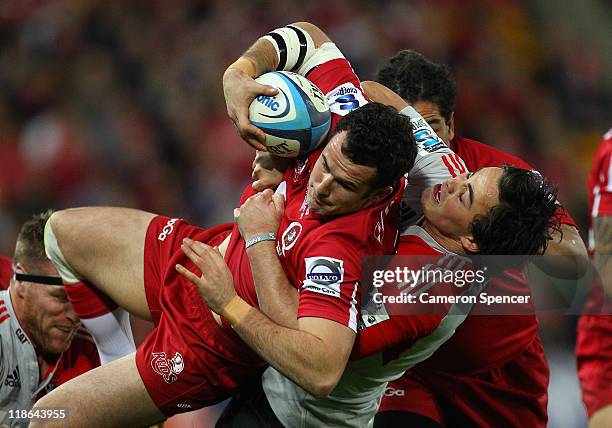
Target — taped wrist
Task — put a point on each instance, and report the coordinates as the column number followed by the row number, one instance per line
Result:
column 293, row 47
column 235, row 310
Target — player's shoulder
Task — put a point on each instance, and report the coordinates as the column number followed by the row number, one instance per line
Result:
column 477, row 154
column 6, row 272
column 605, row 146
column 416, row 241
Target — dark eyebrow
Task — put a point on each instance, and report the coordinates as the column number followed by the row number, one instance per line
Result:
column 346, row 184
column 471, row 192
column 470, row 189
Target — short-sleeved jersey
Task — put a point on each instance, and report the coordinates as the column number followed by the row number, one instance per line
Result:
column 322, row 255
column 600, row 184
column 20, row 381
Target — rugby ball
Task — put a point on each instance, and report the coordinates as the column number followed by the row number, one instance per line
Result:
column 296, row 120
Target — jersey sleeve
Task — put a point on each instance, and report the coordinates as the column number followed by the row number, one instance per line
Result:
column 395, row 332
column 333, row 74
column 602, row 204
column 330, row 287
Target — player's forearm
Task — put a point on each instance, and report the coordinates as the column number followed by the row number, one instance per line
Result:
column 263, row 56
column 301, row 356
column 566, row 256
column 277, row 298
column 602, row 230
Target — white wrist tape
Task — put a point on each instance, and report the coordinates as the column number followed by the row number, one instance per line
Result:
column 293, row 46
column 268, row 236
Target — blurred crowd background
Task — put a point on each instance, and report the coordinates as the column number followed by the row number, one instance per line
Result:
column 120, row 103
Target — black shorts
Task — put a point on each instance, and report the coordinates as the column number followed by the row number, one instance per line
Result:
column 249, row 408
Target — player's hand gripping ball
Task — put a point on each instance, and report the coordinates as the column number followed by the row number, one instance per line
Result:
column 296, row 120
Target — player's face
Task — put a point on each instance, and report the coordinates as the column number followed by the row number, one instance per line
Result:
column 48, row 316
column 337, row 185
column 451, row 206
column 431, row 113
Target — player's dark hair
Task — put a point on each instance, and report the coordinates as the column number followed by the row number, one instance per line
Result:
column 30, row 247
column 380, row 137
column 523, row 221
column 415, row 78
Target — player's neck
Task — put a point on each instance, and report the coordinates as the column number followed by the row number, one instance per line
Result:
column 449, row 244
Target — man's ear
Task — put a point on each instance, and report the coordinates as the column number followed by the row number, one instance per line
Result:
column 451, row 127
column 20, row 286
column 468, row 244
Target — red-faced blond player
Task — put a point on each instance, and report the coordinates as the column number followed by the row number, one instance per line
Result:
column 41, row 343
column 594, row 346
column 473, row 377
column 342, row 202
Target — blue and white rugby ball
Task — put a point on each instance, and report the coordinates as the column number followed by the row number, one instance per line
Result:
column 296, row 120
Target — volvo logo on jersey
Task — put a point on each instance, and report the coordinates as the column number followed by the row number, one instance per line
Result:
column 324, row 275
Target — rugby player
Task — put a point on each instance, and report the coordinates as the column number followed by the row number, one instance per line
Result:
column 593, row 349
column 41, row 343
column 472, row 378
column 341, row 203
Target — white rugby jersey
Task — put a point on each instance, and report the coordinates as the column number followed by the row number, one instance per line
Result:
column 19, row 372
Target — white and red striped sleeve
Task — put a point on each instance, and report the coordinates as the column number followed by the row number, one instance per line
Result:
column 338, row 81
column 601, row 179
column 4, row 314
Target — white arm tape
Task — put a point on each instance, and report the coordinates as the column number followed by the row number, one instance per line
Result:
column 293, row 46
column 296, row 51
